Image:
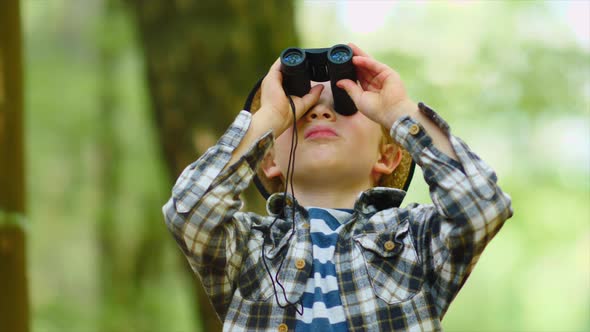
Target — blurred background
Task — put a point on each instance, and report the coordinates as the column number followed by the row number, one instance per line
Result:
column 121, row 95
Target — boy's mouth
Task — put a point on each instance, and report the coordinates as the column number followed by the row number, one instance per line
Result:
column 319, row 131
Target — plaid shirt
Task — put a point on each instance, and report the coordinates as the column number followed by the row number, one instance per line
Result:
column 398, row 269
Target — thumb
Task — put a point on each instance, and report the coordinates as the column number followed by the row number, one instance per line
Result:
column 311, row 98
column 353, row 90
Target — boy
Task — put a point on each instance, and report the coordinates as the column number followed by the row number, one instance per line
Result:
column 339, row 254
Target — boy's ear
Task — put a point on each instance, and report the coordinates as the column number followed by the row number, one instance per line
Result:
column 269, row 167
column 389, row 158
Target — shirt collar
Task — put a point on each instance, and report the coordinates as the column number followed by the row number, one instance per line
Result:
column 368, row 202
column 378, row 199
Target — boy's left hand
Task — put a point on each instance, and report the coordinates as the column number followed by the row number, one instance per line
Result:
column 381, row 95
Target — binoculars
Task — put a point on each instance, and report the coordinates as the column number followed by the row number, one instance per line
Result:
column 300, row 66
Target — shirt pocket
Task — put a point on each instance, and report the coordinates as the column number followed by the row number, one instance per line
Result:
column 393, row 266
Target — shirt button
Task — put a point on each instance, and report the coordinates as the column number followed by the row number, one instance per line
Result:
column 300, row 264
column 389, row 245
column 414, row 129
column 305, row 226
column 283, row 328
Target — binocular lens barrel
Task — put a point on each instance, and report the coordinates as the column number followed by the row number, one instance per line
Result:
column 293, row 58
column 340, row 54
column 295, row 76
column 341, row 67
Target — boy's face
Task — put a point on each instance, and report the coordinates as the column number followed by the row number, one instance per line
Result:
column 332, row 149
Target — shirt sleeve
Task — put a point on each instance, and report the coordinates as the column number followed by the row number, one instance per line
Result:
column 468, row 208
column 203, row 212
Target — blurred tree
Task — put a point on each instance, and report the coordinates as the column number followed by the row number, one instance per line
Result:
column 126, row 267
column 14, row 303
column 201, row 59
column 112, row 282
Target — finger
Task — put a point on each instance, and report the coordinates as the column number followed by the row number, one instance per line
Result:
column 365, row 78
column 369, row 80
column 357, row 50
column 276, row 66
column 310, row 99
column 373, row 73
column 274, row 72
column 369, row 64
column 353, row 90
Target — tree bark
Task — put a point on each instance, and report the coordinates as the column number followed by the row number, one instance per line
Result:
column 112, row 284
column 202, row 58
column 14, row 301
column 127, row 271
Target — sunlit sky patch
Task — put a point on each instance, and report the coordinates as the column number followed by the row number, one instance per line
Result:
column 364, row 17
column 576, row 14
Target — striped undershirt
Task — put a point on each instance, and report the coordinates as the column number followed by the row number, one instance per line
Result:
column 322, row 308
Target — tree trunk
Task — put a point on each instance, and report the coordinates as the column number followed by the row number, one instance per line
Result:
column 112, row 284
column 14, row 301
column 202, row 58
column 128, row 271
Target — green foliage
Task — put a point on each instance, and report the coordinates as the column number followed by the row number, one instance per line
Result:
column 508, row 76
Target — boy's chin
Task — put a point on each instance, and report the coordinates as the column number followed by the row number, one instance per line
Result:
column 324, row 171
column 319, row 165
column 323, row 155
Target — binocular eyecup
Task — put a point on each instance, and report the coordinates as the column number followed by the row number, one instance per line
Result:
column 300, row 66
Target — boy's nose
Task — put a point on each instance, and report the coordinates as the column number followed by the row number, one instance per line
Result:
column 320, row 112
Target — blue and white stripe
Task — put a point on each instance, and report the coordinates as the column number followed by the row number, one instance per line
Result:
column 322, row 308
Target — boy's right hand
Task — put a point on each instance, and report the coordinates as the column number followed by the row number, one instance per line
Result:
column 274, row 104
column 275, row 110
